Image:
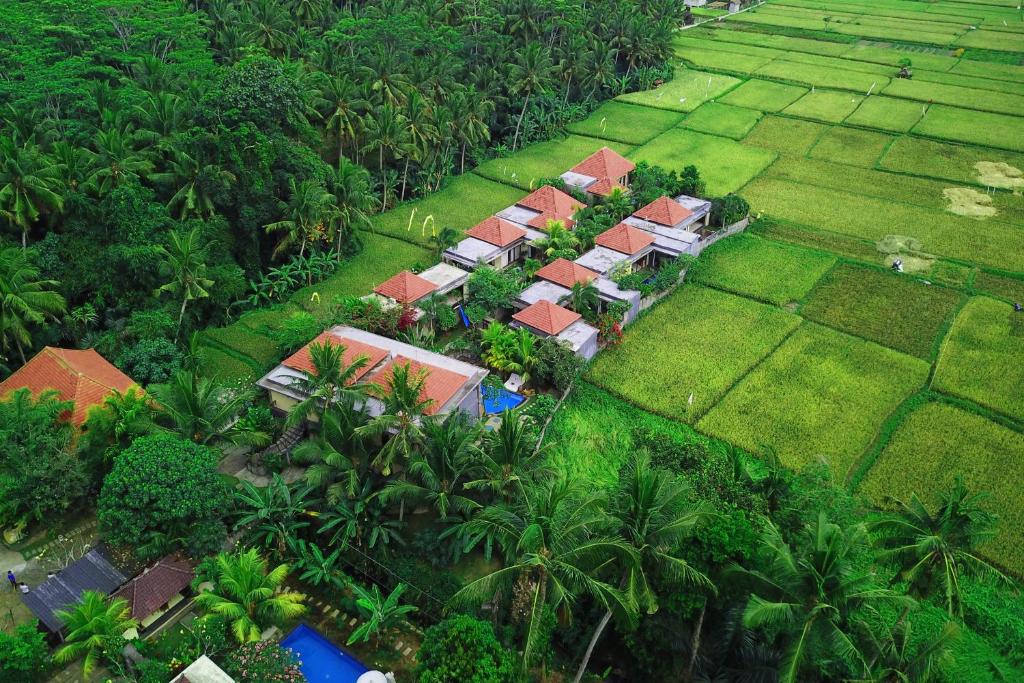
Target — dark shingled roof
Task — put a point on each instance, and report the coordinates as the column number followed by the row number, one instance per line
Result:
column 150, row 590
column 93, row 572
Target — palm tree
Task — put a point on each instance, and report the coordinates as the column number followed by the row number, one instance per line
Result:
column 248, row 596
column 309, row 210
column 656, row 513
column 25, row 300
column 559, row 239
column 351, row 187
column 29, row 186
column 810, row 595
column 935, row 549
column 531, row 74
column 345, row 104
column 404, row 404
column 437, row 473
column 555, row 542
column 508, row 462
column 362, row 519
column 121, row 418
column 419, row 131
column 318, row 568
column 386, row 133
column 380, row 613
column 203, row 409
column 897, row 657
column 336, row 456
column 94, row 627
column 583, row 298
column 330, row 380
column 184, row 262
column 118, row 160
column 196, row 182
column 473, row 111
column 274, row 513
column 523, row 357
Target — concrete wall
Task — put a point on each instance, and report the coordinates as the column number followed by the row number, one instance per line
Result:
column 472, row 403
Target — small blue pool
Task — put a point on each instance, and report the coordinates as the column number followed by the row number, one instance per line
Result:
column 321, row 660
column 500, row 400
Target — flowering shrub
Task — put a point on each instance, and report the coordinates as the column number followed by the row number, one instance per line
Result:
column 609, row 330
column 263, row 662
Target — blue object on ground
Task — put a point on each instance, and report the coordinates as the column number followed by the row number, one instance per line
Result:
column 465, row 318
column 498, row 401
column 320, row 660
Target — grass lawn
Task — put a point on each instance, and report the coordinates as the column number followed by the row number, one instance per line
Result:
column 1002, row 286
column 788, row 137
column 238, row 337
column 698, row 341
column 851, row 146
column 590, row 436
column 774, row 272
column 824, row 240
column 264, row 320
column 722, row 119
column 626, row 123
column 992, row 40
column 463, row 203
column 227, row 367
column 887, row 113
column 780, row 42
column 687, row 91
column 959, row 163
column 936, row 443
column 824, row 105
column 821, row 394
column 880, row 306
column 982, row 357
column 726, row 165
column 978, row 127
column 529, row 166
column 764, row 95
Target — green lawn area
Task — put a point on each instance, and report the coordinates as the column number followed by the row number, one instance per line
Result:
column 687, row 91
column 227, row 367
column 880, row 306
column 778, row 41
column 722, row 119
column 784, row 231
column 887, row 113
column 977, row 127
column 726, row 165
column 541, row 161
column 238, row 337
column 626, row 123
column 698, row 341
column 824, row 105
column 463, row 203
column 958, row 163
column 264, row 320
column 938, row 442
column 821, row 394
column 764, row 95
column 982, row 357
column 721, row 60
column 774, row 272
column 851, row 146
column 992, row 40
column 788, row 137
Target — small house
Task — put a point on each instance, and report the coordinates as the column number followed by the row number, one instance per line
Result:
column 544, row 204
column 599, row 174
column 678, row 225
column 493, row 242
column 546, row 319
column 409, row 289
column 556, row 279
column 154, row 594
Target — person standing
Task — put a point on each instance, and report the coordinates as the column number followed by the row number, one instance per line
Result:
column 10, row 577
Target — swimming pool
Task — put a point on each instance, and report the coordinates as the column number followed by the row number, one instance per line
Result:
column 321, row 660
column 500, row 400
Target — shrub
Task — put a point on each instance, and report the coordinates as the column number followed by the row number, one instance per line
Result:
column 150, row 361
column 463, row 649
column 557, row 365
column 24, row 655
column 728, row 209
column 263, row 662
column 493, row 289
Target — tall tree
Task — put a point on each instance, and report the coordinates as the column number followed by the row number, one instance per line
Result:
column 184, row 261
column 95, row 628
column 308, row 213
column 530, row 74
column 273, row 514
column 336, row 455
column 508, row 462
column 29, row 185
column 204, row 409
column 400, row 422
column 329, row 381
column 25, row 301
column 350, row 184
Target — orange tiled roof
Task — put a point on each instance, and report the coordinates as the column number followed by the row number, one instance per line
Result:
column 664, row 211
column 604, row 163
column 553, row 204
column 405, row 288
column 604, row 187
column 547, row 317
column 496, row 231
column 625, row 239
column 84, row 377
column 300, row 360
column 566, row 273
column 439, row 384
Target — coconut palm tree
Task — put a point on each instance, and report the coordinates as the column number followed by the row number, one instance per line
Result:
column 935, row 549
column 472, row 111
column 895, row 656
column 404, row 405
column 25, row 301
column 522, row 357
column 118, row 160
column 337, row 455
column 361, row 519
column 656, row 513
column 330, row 380
column 811, row 594
column 196, row 181
column 379, row 614
column 185, row 263
column 120, row 418
column 508, row 462
column 350, row 184
column 309, row 211
column 94, row 630
column 532, row 73
column 555, row 541
column 386, row 133
column 29, row 185
column 345, row 105
column 204, row 409
column 273, row 514
column 559, row 240
column 583, row 298
column 248, row 596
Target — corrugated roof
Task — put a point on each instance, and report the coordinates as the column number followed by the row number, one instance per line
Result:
column 93, row 572
column 439, row 385
column 82, row 376
column 496, row 231
column 625, row 239
column 547, row 317
column 301, row 360
column 566, row 273
column 405, row 288
column 664, row 211
column 153, row 588
column 604, row 163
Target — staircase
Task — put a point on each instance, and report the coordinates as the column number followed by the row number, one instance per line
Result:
column 283, row 446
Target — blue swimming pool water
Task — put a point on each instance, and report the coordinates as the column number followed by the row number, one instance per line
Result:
column 321, row 660
column 501, row 400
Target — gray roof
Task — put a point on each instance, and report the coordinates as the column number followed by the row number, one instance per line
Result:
column 602, row 259
column 669, row 241
column 578, row 334
column 542, row 290
column 472, row 251
column 610, row 291
column 93, row 572
column 446, row 276
column 518, row 214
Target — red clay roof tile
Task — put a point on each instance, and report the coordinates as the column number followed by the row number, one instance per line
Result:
column 566, row 273
column 664, row 211
column 605, row 163
column 553, row 204
column 604, row 187
column 625, row 239
column 439, row 384
column 405, row 288
column 300, row 360
column 496, row 231
column 547, row 317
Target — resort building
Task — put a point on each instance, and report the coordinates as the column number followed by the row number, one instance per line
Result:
column 557, row 278
column 678, row 225
column 493, row 242
column 546, row 319
column 82, row 376
column 450, row 384
column 635, row 246
column 153, row 595
column 407, row 288
column 544, row 204
column 599, row 174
